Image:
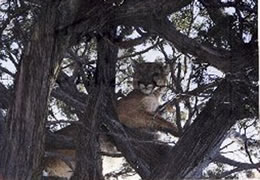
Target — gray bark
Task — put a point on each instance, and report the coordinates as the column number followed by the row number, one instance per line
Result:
column 23, row 145
column 24, row 138
column 206, row 133
column 89, row 163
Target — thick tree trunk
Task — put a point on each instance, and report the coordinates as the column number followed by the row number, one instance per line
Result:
column 23, row 146
column 200, row 141
column 22, row 150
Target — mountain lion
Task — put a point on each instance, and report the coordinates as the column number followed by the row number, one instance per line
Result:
column 136, row 110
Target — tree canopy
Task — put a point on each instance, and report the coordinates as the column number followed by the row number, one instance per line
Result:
column 68, row 62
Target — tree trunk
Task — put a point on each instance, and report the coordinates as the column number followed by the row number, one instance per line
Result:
column 88, row 158
column 200, row 141
column 22, row 150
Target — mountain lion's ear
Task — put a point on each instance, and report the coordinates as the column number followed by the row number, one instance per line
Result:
column 167, row 69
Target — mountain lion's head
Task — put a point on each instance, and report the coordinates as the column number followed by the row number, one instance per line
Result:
column 149, row 76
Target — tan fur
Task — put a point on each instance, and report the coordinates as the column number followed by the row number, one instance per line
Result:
column 61, row 166
column 136, row 110
column 62, row 161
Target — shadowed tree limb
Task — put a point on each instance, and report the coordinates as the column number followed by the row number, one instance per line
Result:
column 202, row 138
column 239, row 166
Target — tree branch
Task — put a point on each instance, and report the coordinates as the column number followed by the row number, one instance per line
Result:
column 5, row 97
column 218, row 58
column 140, row 9
column 208, row 130
column 69, row 100
column 141, row 52
column 4, row 70
column 239, row 165
column 130, row 42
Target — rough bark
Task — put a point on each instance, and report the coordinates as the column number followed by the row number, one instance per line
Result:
column 207, row 132
column 22, row 150
column 137, row 147
column 156, row 21
column 5, row 97
column 88, row 160
column 23, row 146
column 24, row 141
